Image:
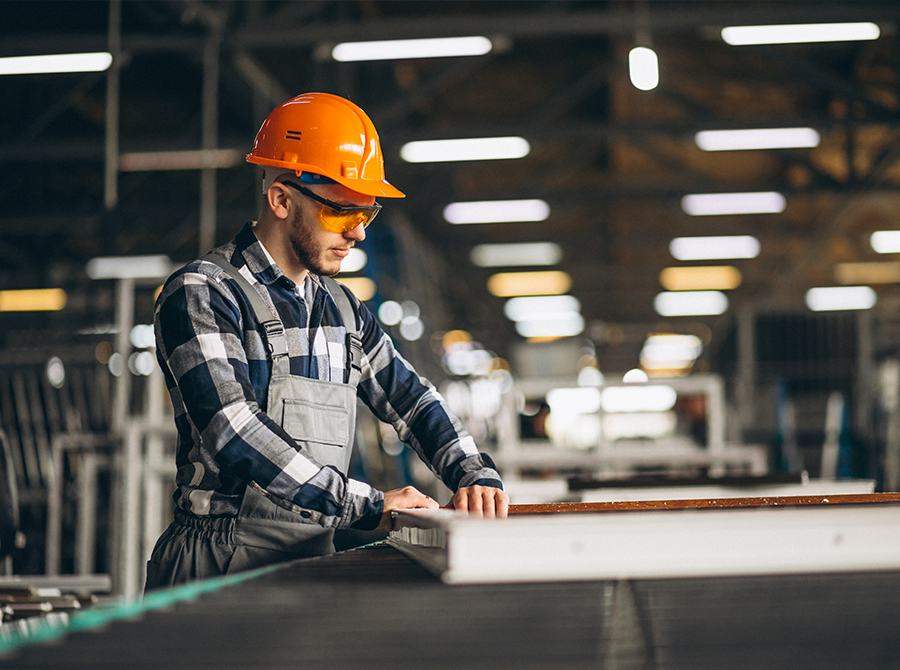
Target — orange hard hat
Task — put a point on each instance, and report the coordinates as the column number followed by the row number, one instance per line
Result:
column 327, row 135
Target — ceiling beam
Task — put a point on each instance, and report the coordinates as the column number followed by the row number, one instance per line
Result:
column 619, row 20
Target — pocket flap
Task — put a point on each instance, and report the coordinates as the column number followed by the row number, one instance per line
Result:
column 311, row 422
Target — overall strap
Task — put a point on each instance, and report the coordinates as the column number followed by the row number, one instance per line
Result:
column 267, row 317
column 349, row 317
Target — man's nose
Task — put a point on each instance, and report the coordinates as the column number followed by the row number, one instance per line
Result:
column 358, row 233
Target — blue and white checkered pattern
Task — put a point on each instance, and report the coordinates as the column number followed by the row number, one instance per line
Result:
column 214, row 360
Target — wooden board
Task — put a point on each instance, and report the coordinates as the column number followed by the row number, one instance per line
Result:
column 706, row 503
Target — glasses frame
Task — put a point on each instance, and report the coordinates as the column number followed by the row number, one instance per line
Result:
column 335, row 206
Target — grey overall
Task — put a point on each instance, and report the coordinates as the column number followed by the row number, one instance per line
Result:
column 320, row 415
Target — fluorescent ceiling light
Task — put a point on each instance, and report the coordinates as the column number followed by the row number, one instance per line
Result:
column 643, row 68
column 886, row 241
column 496, row 211
column 716, row 204
column 192, row 159
column 362, row 287
column 439, row 47
column 757, row 138
column 705, row 277
column 883, row 272
column 129, row 267
column 523, row 253
column 564, row 326
column 512, row 284
column 97, row 61
column 690, row 303
column 32, row 300
column 635, row 376
column 714, row 247
column 670, row 351
column 538, row 308
column 834, row 298
column 582, row 400
column 354, row 261
column 475, row 149
column 799, row 33
column 614, row 399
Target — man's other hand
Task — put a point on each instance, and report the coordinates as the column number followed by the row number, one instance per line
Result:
column 485, row 501
column 409, row 497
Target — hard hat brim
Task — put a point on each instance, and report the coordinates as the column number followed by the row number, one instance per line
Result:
column 379, row 189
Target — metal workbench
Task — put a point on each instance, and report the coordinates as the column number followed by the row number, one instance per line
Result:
column 374, row 608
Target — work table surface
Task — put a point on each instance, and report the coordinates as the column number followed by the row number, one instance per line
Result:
column 374, row 608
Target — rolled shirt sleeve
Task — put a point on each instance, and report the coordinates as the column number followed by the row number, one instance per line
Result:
column 198, row 328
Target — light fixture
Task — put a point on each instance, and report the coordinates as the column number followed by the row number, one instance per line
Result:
column 55, row 371
column 690, row 303
column 439, row 47
column 635, row 376
column 142, row 336
column 362, row 287
column 798, row 33
column 129, row 267
column 886, row 241
column 390, row 313
column 565, row 326
column 835, row 298
column 496, row 211
column 699, row 278
column 545, row 282
column 521, row 253
column 643, row 68
column 473, row 149
column 757, row 138
column 643, row 398
column 718, row 204
column 670, row 351
column 96, row 61
column 411, row 328
column 539, row 308
column 32, row 300
column 875, row 272
column 718, row 247
column 354, row 261
column 581, row 400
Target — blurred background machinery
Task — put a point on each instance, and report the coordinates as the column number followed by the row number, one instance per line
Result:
column 648, row 245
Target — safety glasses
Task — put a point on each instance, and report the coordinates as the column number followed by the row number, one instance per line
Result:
column 335, row 217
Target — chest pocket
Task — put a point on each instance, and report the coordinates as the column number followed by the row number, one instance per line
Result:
column 320, row 416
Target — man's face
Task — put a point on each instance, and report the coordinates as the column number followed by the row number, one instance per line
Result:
column 319, row 250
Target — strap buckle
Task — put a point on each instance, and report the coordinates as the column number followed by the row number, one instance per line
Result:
column 273, row 330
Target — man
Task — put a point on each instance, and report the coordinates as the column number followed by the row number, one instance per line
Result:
column 264, row 356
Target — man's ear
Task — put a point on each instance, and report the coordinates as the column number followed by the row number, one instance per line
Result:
column 279, row 200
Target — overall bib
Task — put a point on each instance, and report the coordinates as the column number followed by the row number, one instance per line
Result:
column 320, row 415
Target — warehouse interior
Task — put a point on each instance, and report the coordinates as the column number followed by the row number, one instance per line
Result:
column 648, row 255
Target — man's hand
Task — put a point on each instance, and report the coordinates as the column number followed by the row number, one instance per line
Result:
column 406, row 498
column 485, row 501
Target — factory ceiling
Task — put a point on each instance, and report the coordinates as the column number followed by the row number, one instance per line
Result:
column 612, row 162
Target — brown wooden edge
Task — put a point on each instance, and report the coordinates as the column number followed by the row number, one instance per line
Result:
column 707, row 503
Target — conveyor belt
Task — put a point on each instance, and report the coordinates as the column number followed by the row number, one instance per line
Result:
column 374, row 608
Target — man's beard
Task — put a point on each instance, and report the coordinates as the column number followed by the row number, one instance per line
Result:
column 304, row 244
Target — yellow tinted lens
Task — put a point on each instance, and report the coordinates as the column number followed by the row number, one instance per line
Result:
column 342, row 222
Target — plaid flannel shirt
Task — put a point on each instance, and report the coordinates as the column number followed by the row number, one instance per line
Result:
column 213, row 357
